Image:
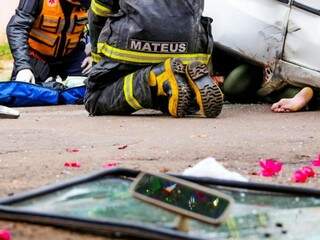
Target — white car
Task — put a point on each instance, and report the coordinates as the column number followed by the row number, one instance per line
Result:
column 282, row 36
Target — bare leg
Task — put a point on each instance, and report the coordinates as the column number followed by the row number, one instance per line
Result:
column 294, row 104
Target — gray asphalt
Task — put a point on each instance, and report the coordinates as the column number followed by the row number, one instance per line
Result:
column 33, row 148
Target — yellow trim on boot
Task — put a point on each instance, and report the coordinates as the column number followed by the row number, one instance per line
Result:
column 174, row 98
column 158, row 81
column 128, row 92
column 152, row 79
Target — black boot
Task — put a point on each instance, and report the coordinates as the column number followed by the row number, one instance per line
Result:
column 208, row 96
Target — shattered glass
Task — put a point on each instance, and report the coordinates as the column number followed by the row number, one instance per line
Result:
column 255, row 215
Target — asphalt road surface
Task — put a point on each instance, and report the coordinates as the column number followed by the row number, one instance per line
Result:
column 33, row 148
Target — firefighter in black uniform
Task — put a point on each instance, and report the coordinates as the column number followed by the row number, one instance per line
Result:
column 151, row 54
column 46, row 38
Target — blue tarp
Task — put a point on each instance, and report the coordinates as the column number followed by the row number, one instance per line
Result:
column 21, row 94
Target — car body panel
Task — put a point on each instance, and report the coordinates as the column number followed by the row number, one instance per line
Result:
column 254, row 29
column 280, row 35
column 302, row 45
column 296, row 75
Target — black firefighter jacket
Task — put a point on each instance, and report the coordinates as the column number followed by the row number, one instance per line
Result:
column 149, row 31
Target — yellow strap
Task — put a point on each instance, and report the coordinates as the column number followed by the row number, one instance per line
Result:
column 99, row 9
column 142, row 57
column 96, row 57
column 128, row 92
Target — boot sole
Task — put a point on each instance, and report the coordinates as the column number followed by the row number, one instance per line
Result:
column 209, row 97
column 181, row 92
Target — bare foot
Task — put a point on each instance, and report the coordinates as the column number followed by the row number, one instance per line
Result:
column 294, row 104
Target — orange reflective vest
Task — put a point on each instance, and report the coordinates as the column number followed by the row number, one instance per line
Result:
column 55, row 35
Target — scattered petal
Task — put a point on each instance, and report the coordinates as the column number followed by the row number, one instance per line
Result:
column 268, row 173
column 5, row 234
column 270, row 167
column 67, row 164
column 299, row 177
column 122, row 147
column 110, row 165
column 72, row 150
column 72, row 164
column 316, row 161
column 308, row 171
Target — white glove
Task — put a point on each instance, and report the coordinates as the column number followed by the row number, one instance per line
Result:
column 86, row 65
column 25, row 75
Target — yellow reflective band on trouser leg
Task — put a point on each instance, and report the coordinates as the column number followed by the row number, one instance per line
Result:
column 143, row 57
column 99, row 9
column 128, row 92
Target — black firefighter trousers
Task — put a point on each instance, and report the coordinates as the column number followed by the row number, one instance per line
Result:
column 115, row 88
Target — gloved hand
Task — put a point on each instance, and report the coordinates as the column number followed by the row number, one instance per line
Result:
column 86, row 65
column 25, row 75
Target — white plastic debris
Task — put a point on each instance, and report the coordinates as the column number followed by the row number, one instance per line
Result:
column 6, row 112
column 210, row 167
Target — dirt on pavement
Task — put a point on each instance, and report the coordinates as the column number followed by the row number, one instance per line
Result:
column 33, row 148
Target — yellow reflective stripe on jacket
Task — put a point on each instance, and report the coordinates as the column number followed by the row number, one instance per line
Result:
column 143, row 57
column 128, row 92
column 99, row 9
column 96, row 57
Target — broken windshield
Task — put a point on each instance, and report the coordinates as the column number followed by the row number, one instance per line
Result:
column 256, row 215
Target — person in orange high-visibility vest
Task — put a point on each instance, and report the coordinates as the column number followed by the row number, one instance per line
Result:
column 47, row 39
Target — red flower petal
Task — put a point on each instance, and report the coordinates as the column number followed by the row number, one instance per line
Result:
column 5, row 234
column 67, row 164
column 72, row 164
column 270, row 167
column 267, row 173
column 110, row 165
column 75, row 165
column 308, row 171
column 299, row 177
column 316, row 161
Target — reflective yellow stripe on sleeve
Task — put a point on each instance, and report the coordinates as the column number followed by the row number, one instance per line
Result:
column 96, row 57
column 99, row 9
column 128, row 92
column 143, row 57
